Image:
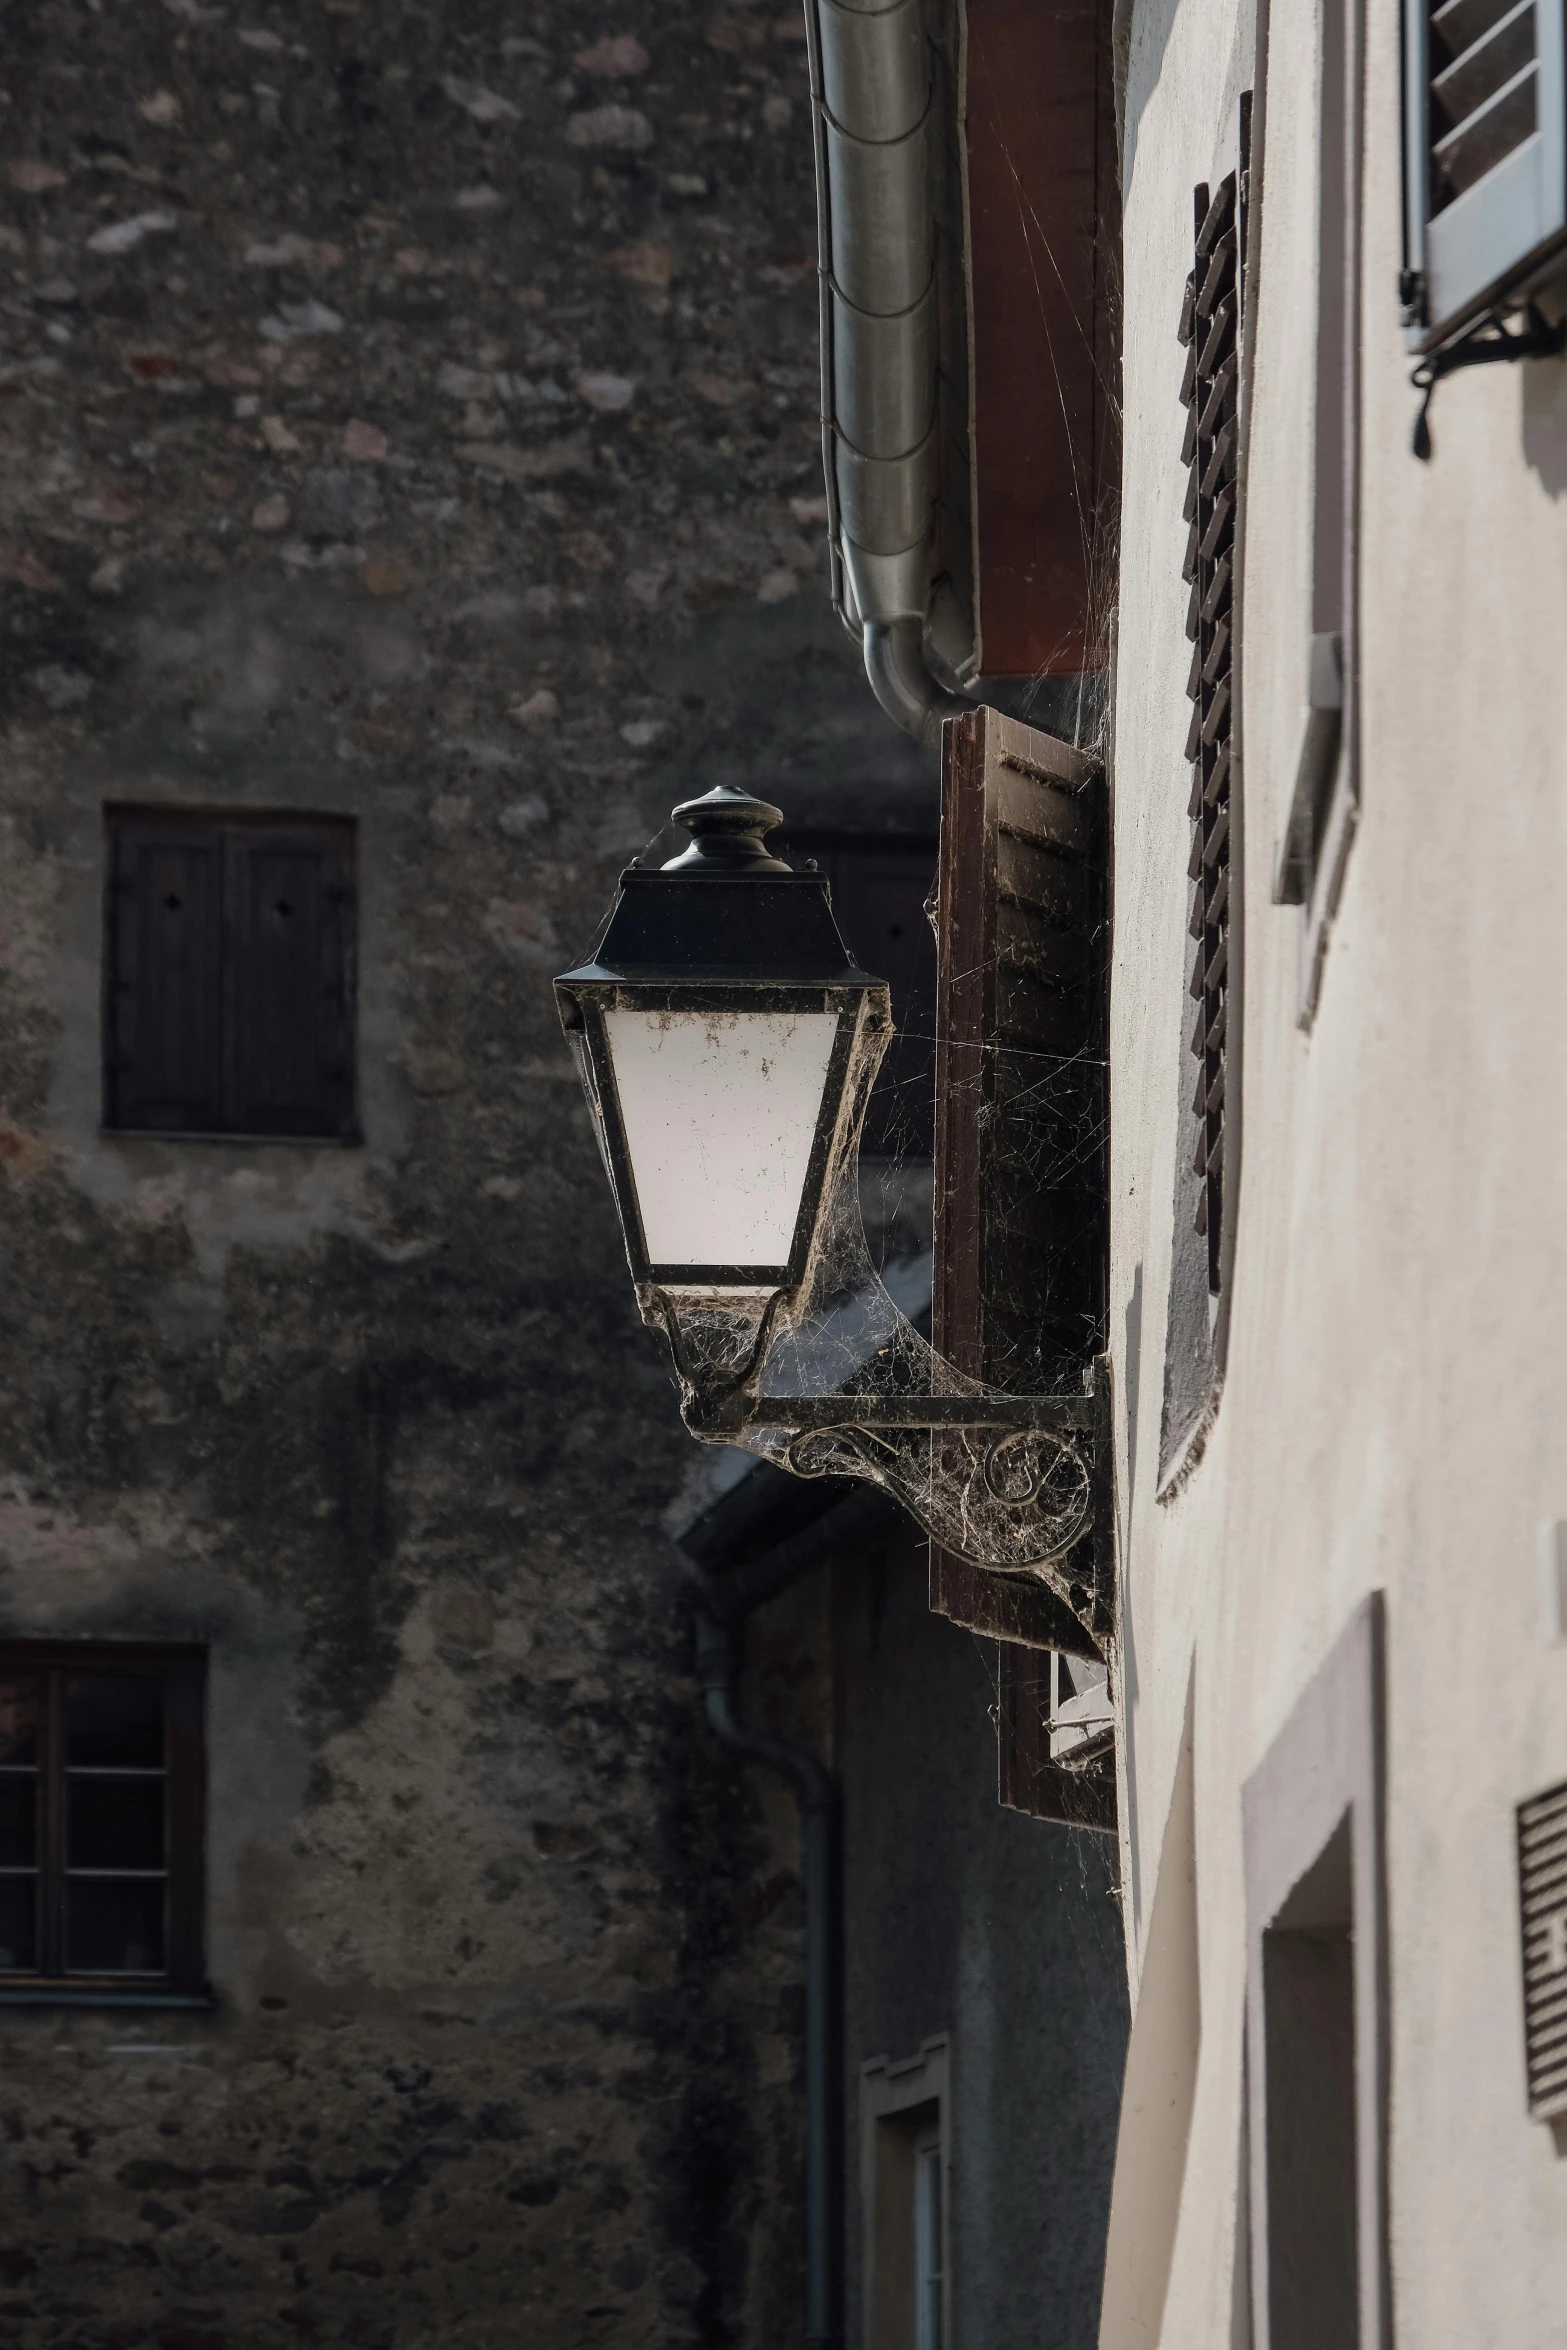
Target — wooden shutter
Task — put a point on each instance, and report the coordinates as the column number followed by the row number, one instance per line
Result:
column 1210, row 330
column 288, row 1056
column 163, row 1026
column 1021, row 1133
column 1542, row 1895
column 230, row 976
column 1485, row 150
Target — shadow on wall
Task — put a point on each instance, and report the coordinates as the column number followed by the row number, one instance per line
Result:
column 1545, row 420
column 1160, row 2086
column 1138, row 52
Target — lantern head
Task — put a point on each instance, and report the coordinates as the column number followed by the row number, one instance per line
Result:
column 727, row 1043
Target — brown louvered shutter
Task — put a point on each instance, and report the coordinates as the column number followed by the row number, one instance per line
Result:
column 1021, row 1204
column 288, row 1058
column 1542, row 1897
column 164, row 1063
column 229, row 1002
column 1210, row 330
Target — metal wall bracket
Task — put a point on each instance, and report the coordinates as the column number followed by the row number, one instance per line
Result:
column 1482, row 346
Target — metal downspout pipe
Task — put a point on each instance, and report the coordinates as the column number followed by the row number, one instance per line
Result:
column 816, row 1791
column 873, row 108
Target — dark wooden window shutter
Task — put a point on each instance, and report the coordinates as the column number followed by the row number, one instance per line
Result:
column 165, row 979
column 1021, row 1142
column 1210, row 330
column 230, row 975
column 289, row 1048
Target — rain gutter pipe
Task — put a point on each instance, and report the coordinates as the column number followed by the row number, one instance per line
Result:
column 874, row 108
column 816, row 1791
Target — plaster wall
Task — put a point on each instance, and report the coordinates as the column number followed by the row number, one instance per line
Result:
column 1397, row 1360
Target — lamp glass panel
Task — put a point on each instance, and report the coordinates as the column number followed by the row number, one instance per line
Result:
column 720, row 1112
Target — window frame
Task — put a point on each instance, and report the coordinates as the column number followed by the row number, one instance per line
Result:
column 1323, row 814
column 182, row 1980
column 1499, row 240
column 1210, row 1129
column 905, row 2105
column 229, row 829
column 1325, row 1774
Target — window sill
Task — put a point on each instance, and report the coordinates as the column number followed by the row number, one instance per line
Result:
column 86, row 1995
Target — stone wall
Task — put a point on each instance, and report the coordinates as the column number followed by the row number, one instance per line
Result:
column 407, row 412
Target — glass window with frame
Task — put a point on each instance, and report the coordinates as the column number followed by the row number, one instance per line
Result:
column 101, row 1802
column 928, row 2215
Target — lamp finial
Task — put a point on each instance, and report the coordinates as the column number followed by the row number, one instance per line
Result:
column 726, row 828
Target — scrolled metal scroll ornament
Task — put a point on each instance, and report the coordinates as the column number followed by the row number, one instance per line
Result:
column 1007, row 1524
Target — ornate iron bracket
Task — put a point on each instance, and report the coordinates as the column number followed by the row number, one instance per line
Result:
column 1023, row 1487
column 1076, row 1429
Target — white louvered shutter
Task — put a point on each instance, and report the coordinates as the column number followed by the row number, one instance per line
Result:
column 1485, row 149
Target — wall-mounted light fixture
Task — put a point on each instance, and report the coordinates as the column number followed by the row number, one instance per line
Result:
column 727, row 1043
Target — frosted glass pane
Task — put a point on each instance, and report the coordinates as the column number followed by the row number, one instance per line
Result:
column 720, row 1113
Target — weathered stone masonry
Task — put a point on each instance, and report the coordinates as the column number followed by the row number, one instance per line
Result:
column 407, row 412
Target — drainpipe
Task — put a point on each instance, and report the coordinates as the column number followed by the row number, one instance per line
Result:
column 879, row 170
column 816, row 1792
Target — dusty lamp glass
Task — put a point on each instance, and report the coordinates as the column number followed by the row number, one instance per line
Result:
column 727, row 1043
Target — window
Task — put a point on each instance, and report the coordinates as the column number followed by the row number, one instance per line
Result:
column 100, row 1821
column 229, row 975
column 1080, row 1717
column 1022, row 1182
column 1211, row 390
column 1320, row 823
column 1317, row 2018
column 1215, row 392
column 1485, row 155
column 1308, row 2010
column 1055, row 1737
column 929, row 2333
column 904, row 2163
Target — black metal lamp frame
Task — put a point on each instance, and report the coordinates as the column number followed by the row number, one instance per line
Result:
column 727, row 928
column 594, row 1000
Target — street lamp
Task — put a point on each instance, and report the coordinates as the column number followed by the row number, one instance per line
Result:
column 727, row 1043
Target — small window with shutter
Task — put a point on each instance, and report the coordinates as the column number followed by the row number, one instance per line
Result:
column 1022, row 1201
column 1485, row 154
column 1210, row 331
column 229, row 975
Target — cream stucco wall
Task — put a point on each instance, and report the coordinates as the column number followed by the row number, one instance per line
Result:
column 1394, row 1412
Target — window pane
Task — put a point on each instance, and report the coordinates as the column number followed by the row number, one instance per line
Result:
column 114, row 1929
column 114, row 1824
column 18, row 1819
column 18, row 1924
column 18, row 1721
column 114, row 1720
column 927, row 2248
